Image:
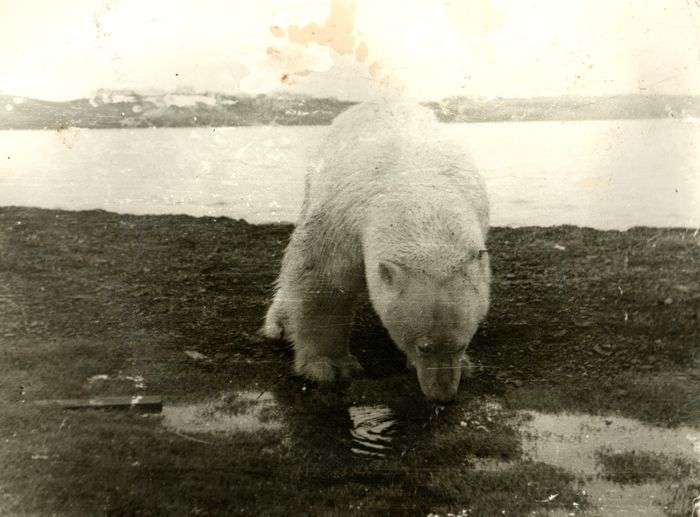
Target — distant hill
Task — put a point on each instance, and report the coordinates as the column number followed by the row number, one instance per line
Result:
column 462, row 109
column 125, row 109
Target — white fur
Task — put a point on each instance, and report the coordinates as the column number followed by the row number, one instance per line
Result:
column 390, row 194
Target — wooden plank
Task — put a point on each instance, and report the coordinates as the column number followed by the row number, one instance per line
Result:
column 146, row 403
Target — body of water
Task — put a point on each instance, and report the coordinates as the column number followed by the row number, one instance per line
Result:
column 603, row 174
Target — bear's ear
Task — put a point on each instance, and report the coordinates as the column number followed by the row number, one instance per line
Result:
column 390, row 273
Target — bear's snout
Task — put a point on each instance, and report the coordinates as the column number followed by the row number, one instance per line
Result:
column 439, row 376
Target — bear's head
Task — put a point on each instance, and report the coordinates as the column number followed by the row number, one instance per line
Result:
column 432, row 315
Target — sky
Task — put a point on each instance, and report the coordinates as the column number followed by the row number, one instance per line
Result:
column 350, row 49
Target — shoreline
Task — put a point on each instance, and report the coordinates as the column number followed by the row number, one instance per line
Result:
column 284, row 224
column 683, row 119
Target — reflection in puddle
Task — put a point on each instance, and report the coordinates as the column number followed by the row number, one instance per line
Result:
column 573, row 442
column 373, row 429
column 242, row 412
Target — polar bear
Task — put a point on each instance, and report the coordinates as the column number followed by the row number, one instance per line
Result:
column 395, row 206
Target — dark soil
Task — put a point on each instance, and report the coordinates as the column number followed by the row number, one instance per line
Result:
column 581, row 320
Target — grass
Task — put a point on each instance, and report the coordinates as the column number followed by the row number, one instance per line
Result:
column 90, row 293
column 642, row 467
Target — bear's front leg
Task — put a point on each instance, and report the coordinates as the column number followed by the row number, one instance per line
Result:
column 320, row 332
column 314, row 306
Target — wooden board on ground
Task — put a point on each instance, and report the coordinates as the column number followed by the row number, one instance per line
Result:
column 146, row 403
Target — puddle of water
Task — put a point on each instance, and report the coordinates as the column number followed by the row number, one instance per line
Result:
column 244, row 412
column 373, row 430
column 571, row 441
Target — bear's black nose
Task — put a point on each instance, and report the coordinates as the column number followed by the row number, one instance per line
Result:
column 425, row 348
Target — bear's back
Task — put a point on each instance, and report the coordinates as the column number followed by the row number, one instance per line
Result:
column 392, row 152
column 376, row 125
column 368, row 142
column 378, row 117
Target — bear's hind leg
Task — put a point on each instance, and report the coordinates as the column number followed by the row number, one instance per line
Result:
column 273, row 328
column 284, row 300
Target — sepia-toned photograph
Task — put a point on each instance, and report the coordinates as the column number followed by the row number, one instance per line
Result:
column 434, row 258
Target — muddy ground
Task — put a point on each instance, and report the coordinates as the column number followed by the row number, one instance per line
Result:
column 584, row 397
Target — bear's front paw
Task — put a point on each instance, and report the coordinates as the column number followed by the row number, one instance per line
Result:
column 348, row 366
column 326, row 369
column 319, row 369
